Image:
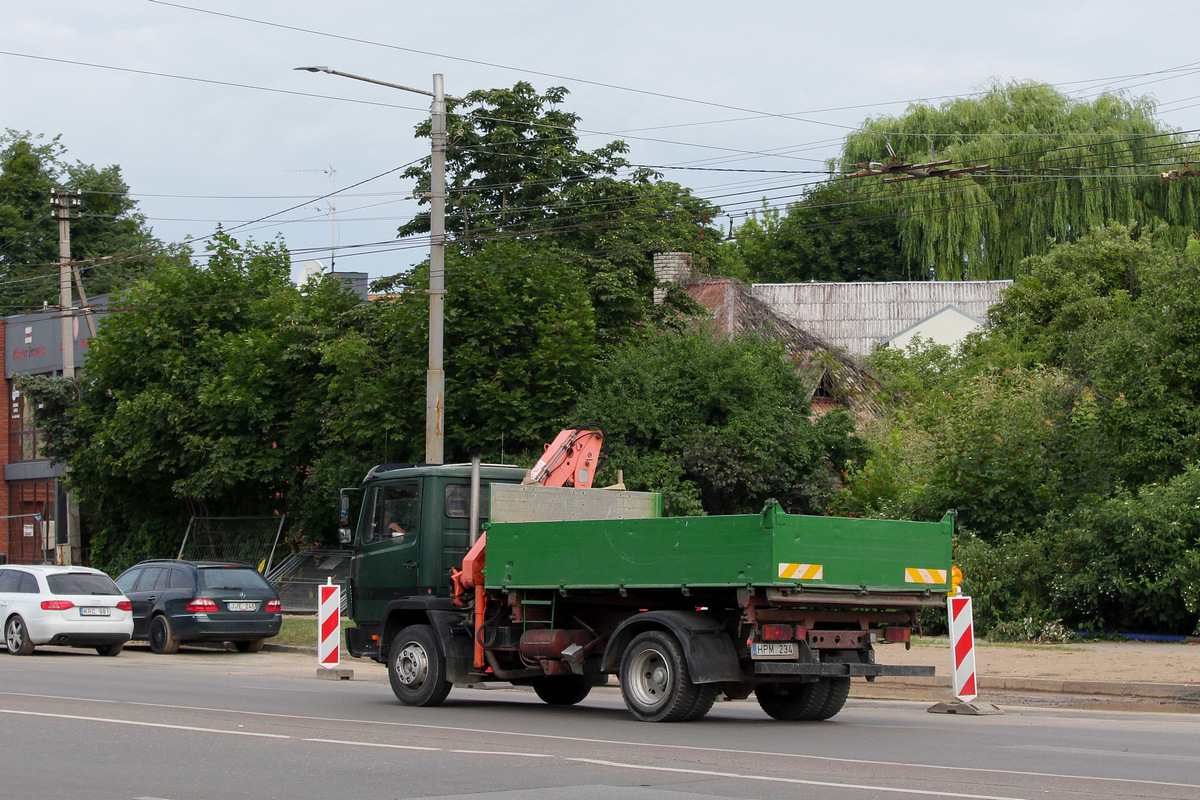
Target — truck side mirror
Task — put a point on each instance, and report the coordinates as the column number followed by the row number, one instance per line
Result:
column 345, row 535
column 343, row 512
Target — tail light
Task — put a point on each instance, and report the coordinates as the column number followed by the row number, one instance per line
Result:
column 57, row 605
column 273, row 606
column 202, row 604
column 125, row 605
column 897, row 635
column 778, row 633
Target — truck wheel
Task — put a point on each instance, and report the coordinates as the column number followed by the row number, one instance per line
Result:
column 416, row 668
column 655, row 682
column 839, row 690
column 793, row 701
column 706, row 695
column 562, row 690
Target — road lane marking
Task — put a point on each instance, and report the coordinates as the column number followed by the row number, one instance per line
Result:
column 375, row 744
column 618, row 742
column 741, row 776
column 503, row 753
column 1089, row 751
column 140, row 724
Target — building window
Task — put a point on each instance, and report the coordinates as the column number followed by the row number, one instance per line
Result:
column 25, row 438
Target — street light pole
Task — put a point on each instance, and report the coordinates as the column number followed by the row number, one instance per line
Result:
column 435, row 376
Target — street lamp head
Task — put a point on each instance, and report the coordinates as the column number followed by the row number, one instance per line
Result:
column 315, row 69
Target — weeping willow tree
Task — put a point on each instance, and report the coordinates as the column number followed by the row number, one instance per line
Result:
column 1058, row 168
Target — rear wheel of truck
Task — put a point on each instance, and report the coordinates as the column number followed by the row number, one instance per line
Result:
column 562, row 690
column 839, row 690
column 794, row 701
column 416, row 668
column 655, row 682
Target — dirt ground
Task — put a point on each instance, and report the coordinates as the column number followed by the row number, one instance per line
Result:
column 1095, row 661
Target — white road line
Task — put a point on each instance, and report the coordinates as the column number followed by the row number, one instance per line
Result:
column 375, row 744
column 111, row 721
column 620, row 742
column 707, row 773
column 503, row 753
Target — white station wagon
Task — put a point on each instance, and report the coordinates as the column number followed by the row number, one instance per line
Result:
column 71, row 606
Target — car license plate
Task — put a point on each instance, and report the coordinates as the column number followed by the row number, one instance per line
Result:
column 773, row 650
column 94, row 611
column 243, row 606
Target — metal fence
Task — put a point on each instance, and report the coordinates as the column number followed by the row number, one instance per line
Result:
column 297, row 577
column 251, row 540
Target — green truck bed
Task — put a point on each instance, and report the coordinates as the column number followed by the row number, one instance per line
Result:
column 771, row 549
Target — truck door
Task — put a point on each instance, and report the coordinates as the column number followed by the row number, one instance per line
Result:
column 386, row 563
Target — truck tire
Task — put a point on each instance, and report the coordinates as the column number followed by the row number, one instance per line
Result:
column 562, row 690
column 706, row 696
column 655, row 682
column 793, row 701
column 839, row 690
column 416, row 668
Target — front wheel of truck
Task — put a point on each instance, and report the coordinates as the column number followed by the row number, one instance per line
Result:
column 655, row 682
column 416, row 668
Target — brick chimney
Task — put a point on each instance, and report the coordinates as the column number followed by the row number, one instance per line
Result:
column 670, row 268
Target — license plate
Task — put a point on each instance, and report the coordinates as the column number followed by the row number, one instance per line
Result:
column 94, row 611
column 773, row 650
column 243, row 606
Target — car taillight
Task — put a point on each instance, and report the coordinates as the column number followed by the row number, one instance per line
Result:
column 57, row 605
column 125, row 605
column 274, row 606
column 202, row 604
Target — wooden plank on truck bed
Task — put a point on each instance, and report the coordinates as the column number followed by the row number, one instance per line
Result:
column 536, row 503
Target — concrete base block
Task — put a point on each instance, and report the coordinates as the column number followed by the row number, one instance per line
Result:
column 335, row 674
column 965, row 709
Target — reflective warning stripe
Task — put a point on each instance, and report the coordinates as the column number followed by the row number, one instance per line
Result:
column 804, row 572
column 917, row 575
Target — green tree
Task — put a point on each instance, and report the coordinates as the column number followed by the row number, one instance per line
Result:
column 1058, row 169
column 1122, row 315
column 108, row 235
column 830, row 235
column 515, row 170
column 520, row 342
column 202, row 396
column 717, row 426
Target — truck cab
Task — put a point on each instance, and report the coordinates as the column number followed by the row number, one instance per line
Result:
column 413, row 527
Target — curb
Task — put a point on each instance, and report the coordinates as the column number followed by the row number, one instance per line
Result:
column 1157, row 691
column 1188, row 692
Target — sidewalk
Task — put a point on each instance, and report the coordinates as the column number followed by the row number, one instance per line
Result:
column 1166, row 673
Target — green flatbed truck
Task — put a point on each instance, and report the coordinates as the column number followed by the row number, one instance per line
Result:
column 566, row 587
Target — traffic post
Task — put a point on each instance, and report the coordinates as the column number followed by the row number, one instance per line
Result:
column 329, row 633
column 962, row 649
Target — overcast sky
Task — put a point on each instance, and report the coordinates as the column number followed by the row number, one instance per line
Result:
column 209, row 122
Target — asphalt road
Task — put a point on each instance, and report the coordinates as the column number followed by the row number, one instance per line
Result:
column 216, row 725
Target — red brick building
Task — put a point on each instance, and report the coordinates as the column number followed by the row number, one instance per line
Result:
column 32, row 501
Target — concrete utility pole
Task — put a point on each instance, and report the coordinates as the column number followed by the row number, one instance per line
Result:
column 435, row 376
column 63, row 202
column 66, row 530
